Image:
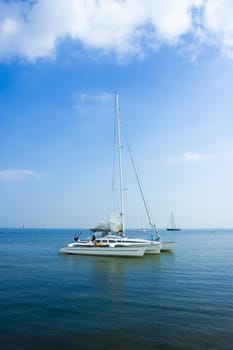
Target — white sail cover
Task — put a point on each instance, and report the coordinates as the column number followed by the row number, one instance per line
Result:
column 103, row 226
column 115, row 222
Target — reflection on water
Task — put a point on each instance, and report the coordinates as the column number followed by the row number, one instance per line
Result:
column 111, row 265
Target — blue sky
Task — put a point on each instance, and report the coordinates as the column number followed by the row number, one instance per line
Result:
column 172, row 64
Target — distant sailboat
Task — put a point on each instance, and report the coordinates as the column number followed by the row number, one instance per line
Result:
column 143, row 227
column 172, row 224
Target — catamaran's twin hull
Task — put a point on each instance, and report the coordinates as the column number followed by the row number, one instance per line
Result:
column 105, row 251
column 167, row 246
column 150, row 248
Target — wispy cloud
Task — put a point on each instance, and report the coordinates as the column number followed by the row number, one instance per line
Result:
column 17, row 175
column 191, row 156
column 87, row 101
column 100, row 97
column 33, row 29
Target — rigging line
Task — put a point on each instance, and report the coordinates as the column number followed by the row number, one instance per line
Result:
column 138, row 181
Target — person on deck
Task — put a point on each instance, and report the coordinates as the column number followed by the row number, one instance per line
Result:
column 76, row 238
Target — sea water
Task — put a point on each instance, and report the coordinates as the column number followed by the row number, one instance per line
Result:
column 179, row 300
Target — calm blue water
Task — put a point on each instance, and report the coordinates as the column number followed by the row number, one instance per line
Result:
column 182, row 300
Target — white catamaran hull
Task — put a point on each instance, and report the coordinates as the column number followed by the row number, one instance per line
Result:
column 167, row 246
column 151, row 247
column 104, row 251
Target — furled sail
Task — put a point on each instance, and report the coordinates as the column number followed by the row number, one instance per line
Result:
column 115, row 222
column 103, row 226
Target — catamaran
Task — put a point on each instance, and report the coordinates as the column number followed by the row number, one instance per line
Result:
column 114, row 228
column 113, row 241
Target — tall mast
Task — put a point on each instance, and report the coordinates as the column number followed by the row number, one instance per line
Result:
column 120, row 159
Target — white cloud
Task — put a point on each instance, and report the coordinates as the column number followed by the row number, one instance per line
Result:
column 86, row 102
column 218, row 23
column 100, row 97
column 17, row 175
column 190, row 156
column 32, row 30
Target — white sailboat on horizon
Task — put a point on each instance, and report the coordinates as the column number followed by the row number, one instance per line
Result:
column 172, row 224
